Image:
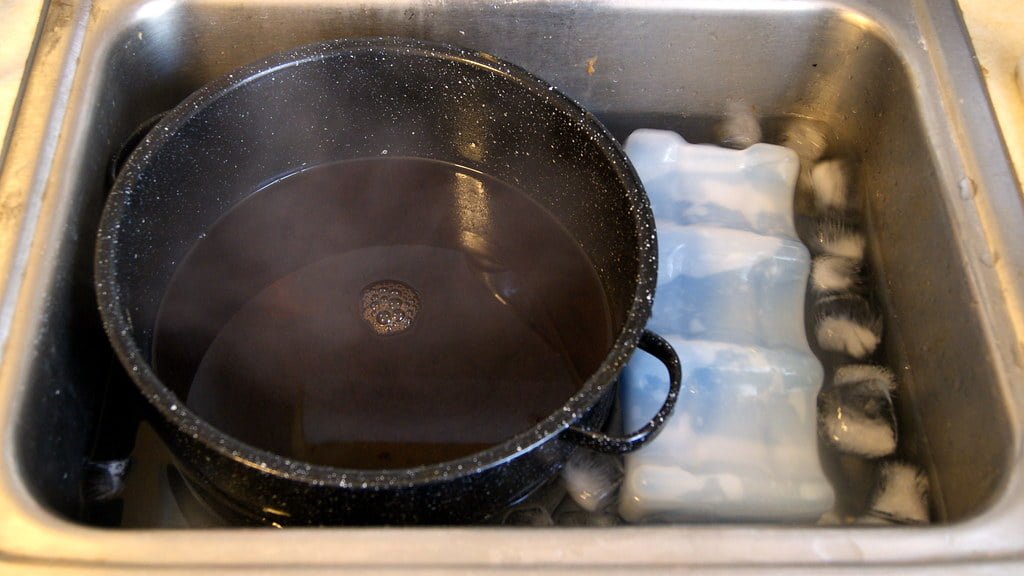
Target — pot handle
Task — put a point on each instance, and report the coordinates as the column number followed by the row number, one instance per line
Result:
column 659, row 348
column 120, row 158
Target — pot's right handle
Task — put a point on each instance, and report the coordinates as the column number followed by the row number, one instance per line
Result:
column 659, row 348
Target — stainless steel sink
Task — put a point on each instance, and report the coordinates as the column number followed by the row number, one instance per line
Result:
column 895, row 84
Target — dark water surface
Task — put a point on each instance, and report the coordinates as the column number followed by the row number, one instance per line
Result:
column 382, row 313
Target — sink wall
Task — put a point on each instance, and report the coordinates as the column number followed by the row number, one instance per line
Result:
column 862, row 72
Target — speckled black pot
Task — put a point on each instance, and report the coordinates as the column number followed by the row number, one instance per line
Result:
column 359, row 98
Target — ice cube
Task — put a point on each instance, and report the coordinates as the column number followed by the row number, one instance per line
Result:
column 856, row 414
column 807, row 140
column 545, row 499
column 592, row 479
column 741, row 443
column 104, row 480
column 582, row 518
column 730, row 285
column 531, row 516
column 834, row 237
column 834, row 274
column 848, row 324
column 569, row 513
column 830, row 181
column 687, row 183
column 902, row 494
column 740, row 127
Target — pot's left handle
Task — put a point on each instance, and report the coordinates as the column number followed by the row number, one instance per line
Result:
column 659, row 348
column 120, row 158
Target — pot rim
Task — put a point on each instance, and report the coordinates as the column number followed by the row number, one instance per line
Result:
column 171, row 408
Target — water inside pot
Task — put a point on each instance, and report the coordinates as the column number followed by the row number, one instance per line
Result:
column 382, row 313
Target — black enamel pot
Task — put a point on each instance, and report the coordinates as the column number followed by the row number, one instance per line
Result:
column 409, row 98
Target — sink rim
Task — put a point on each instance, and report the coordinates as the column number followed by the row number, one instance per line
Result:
column 33, row 534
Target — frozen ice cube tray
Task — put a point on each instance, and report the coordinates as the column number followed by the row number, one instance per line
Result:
column 742, row 444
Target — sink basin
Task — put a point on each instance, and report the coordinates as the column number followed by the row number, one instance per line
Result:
column 893, row 85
